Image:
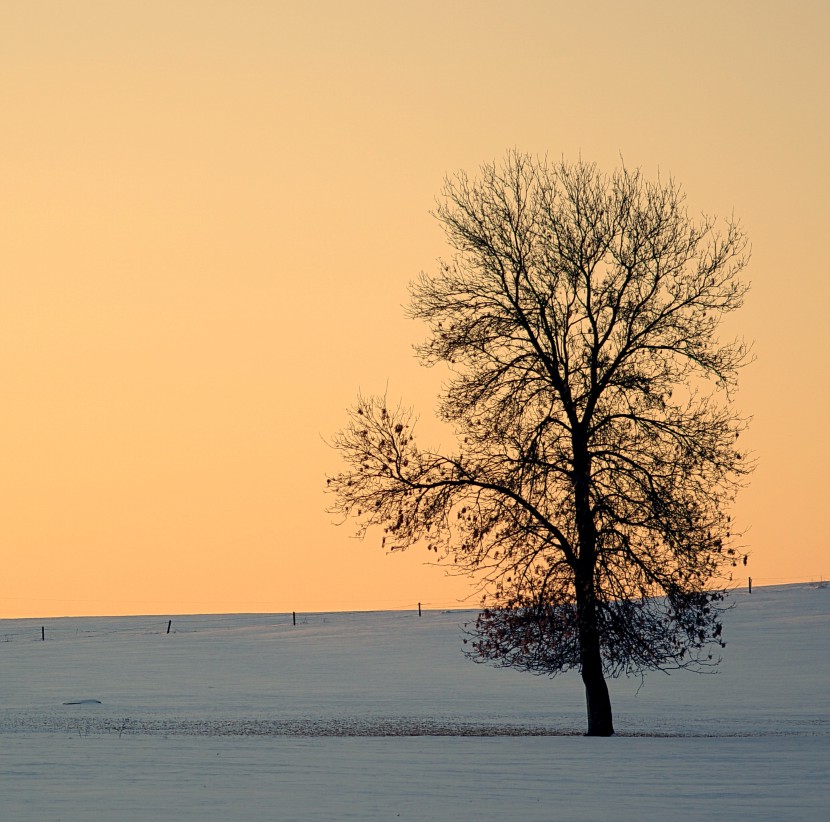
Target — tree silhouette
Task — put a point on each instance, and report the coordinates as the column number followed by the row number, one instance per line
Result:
column 592, row 401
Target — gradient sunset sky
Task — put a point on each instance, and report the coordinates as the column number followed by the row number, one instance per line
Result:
column 211, row 210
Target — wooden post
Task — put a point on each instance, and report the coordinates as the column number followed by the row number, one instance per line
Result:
column 294, row 617
column 43, row 633
column 419, row 609
column 750, row 585
column 169, row 623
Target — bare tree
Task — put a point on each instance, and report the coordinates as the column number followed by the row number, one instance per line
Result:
column 592, row 401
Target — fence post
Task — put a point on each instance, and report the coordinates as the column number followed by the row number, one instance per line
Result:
column 169, row 623
column 419, row 609
column 750, row 585
column 43, row 633
column 294, row 617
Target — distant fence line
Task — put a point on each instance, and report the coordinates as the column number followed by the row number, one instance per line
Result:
column 45, row 628
column 760, row 581
column 78, row 627
column 210, row 607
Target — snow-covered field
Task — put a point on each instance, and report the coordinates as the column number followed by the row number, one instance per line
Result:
column 370, row 716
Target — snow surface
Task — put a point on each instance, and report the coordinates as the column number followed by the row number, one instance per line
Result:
column 379, row 716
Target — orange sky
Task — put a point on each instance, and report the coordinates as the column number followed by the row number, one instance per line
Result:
column 209, row 214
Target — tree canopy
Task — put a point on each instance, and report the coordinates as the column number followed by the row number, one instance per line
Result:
column 597, row 441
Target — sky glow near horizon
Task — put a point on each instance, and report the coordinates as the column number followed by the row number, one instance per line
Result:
column 210, row 215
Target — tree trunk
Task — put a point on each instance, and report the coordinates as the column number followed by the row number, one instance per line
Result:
column 598, row 702
column 600, row 720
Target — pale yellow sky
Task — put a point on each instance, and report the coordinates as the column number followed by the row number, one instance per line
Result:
column 209, row 214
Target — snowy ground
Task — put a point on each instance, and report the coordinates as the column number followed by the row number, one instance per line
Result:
column 370, row 716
